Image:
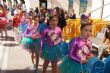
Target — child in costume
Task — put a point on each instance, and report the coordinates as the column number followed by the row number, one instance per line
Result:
column 24, row 22
column 80, row 58
column 51, row 44
column 16, row 21
column 3, row 20
column 31, row 39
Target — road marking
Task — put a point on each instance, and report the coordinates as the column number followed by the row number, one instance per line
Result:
column 1, row 51
column 5, row 58
column 1, row 54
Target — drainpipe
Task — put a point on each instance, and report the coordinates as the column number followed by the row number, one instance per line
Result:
column 102, row 9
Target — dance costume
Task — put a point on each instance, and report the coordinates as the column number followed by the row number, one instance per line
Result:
column 80, row 49
column 3, row 19
column 107, row 65
column 51, row 44
column 32, row 44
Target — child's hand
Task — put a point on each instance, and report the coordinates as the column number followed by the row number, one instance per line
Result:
column 33, row 36
column 89, row 56
column 84, row 61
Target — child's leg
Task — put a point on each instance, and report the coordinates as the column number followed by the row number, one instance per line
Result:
column 32, row 57
column 54, row 67
column 45, row 65
column 1, row 32
column 37, row 60
column 5, row 30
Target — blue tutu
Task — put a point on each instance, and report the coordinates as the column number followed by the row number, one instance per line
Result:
column 71, row 66
column 42, row 27
column 22, row 27
column 63, row 46
column 56, row 52
column 107, row 65
column 31, row 44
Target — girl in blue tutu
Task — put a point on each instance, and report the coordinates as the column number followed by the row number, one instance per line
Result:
column 24, row 21
column 80, row 56
column 51, row 42
column 31, row 41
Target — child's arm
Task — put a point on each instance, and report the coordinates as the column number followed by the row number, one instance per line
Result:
column 27, row 32
column 73, row 52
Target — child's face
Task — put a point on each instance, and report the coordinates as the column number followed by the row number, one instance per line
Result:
column 54, row 21
column 86, row 31
column 28, row 19
column 36, row 20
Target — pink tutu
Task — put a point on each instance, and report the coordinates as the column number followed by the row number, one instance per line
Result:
column 3, row 20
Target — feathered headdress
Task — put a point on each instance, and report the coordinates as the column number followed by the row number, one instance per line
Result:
column 84, row 19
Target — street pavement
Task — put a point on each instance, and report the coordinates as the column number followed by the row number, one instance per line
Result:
column 14, row 59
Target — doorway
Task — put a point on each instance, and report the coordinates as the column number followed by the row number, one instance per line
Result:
column 43, row 3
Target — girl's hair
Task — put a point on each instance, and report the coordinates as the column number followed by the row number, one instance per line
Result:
column 51, row 17
column 2, row 7
column 36, row 16
column 107, row 34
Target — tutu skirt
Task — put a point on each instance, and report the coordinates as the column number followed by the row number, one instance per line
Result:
column 107, row 65
column 63, row 46
column 31, row 44
column 3, row 21
column 55, row 52
column 71, row 66
column 42, row 27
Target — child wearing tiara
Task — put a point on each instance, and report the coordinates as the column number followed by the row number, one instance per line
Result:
column 23, row 24
column 80, row 57
column 51, row 44
column 31, row 40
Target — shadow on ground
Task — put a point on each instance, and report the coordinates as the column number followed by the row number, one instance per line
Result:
column 22, row 71
column 10, row 44
column 9, row 38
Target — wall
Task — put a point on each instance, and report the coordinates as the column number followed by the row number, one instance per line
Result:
column 31, row 4
column 76, row 5
column 96, row 4
column 106, row 10
column 58, row 3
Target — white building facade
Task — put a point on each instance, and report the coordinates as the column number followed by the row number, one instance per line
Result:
column 95, row 7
